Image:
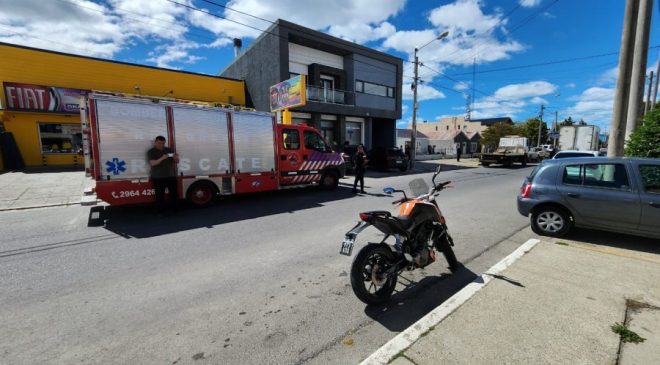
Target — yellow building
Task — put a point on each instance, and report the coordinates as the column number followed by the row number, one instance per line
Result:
column 41, row 91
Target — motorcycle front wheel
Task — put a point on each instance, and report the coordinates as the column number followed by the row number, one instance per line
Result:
column 369, row 280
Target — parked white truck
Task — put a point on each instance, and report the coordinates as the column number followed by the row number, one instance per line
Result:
column 511, row 149
column 579, row 137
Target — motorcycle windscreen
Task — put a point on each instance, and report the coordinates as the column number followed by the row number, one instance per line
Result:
column 254, row 142
column 418, row 187
column 126, row 132
column 202, row 141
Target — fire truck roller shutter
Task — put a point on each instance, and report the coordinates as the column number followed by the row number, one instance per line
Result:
column 254, row 145
column 202, row 141
column 128, row 131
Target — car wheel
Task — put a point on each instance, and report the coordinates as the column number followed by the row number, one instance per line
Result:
column 329, row 181
column 550, row 221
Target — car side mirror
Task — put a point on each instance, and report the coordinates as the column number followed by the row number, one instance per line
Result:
column 388, row 190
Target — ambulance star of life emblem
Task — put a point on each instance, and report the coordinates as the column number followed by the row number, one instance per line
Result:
column 115, row 166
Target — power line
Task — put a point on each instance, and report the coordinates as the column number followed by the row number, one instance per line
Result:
column 271, row 33
column 544, row 63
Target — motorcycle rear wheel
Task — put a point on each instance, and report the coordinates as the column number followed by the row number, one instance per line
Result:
column 368, row 279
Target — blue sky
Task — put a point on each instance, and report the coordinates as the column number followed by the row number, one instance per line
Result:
column 506, row 39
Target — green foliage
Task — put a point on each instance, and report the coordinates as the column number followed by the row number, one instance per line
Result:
column 626, row 334
column 645, row 141
column 491, row 136
column 530, row 129
column 567, row 122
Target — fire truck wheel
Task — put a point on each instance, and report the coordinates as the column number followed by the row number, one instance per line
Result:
column 202, row 194
column 329, row 180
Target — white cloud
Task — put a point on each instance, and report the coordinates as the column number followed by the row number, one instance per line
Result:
column 361, row 32
column 529, row 3
column 471, row 34
column 424, row 92
column 463, row 15
column 538, row 100
column 461, row 86
column 529, row 89
column 571, row 85
column 164, row 56
column 341, row 17
column 594, row 105
column 608, row 77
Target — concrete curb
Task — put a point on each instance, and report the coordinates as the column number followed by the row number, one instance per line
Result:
column 408, row 337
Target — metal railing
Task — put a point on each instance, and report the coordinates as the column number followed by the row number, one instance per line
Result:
column 325, row 95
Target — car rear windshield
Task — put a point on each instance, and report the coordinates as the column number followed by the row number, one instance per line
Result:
column 573, row 154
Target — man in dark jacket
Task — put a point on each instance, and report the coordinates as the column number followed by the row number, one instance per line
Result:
column 360, row 163
column 163, row 173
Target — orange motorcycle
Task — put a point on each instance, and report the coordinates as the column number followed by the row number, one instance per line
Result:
column 418, row 231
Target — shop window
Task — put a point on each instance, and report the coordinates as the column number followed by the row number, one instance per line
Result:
column 353, row 133
column 60, row 138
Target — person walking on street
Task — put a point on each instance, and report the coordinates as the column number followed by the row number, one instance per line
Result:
column 163, row 174
column 459, row 150
column 360, row 163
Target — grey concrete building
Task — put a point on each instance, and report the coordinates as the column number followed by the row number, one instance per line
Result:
column 353, row 92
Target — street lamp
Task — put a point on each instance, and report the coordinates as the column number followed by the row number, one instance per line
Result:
column 413, row 139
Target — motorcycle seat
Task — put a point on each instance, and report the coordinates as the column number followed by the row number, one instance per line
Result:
column 384, row 221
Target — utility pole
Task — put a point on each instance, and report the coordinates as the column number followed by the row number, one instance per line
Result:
column 638, row 75
column 620, row 108
column 538, row 141
column 413, row 138
column 554, row 142
column 657, row 77
column 648, row 95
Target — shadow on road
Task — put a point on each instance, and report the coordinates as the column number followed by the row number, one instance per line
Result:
column 615, row 240
column 413, row 300
column 142, row 221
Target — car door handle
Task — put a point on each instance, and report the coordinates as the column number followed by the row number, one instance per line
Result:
column 654, row 204
column 573, row 195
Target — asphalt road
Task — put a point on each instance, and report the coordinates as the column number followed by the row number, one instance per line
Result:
column 253, row 280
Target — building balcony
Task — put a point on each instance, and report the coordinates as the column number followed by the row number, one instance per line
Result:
column 331, row 96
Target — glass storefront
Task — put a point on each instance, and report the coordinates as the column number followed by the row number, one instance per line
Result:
column 354, row 133
column 60, row 138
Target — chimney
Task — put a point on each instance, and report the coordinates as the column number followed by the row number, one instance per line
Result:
column 237, row 47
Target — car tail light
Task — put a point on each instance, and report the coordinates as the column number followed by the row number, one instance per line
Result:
column 526, row 190
column 364, row 216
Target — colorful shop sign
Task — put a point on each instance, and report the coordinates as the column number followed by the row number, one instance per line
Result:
column 288, row 94
column 39, row 98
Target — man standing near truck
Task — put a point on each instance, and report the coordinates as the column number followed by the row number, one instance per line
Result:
column 163, row 174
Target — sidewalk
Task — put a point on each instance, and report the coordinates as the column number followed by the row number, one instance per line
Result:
column 556, row 304
column 37, row 188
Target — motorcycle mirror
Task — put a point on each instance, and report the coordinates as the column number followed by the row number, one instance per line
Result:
column 388, row 190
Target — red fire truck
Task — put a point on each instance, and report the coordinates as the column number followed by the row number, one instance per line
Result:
column 222, row 151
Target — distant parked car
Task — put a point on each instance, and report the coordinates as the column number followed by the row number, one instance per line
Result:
column 536, row 154
column 611, row 194
column 574, row 153
column 382, row 159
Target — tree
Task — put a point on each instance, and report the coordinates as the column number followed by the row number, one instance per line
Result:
column 567, row 122
column 530, row 129
column 582, row 122
column 645, row 141
column 491, row 136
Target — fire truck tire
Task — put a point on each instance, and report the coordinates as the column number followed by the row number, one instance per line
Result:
column 329, row 180
column 202, row 194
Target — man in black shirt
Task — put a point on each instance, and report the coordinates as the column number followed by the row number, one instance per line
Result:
column 360, row 163
column 163, row 173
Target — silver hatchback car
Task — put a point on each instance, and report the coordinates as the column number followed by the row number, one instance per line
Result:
column 611, row 194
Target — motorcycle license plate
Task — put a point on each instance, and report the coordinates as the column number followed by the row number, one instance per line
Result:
column 347, row 246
